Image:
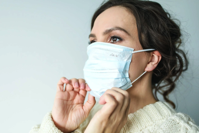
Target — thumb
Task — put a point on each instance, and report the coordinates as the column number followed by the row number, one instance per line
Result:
column 89, row 104
column 102, row 100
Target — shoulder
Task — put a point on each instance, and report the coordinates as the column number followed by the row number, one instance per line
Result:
column 159, row 117
column 178, row 122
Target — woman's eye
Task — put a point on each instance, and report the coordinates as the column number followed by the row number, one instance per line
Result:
column 115, row 39
column 92, row 41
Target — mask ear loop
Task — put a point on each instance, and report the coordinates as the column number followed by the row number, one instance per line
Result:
column 139, row 77
column 130, row 84
column 144, row 50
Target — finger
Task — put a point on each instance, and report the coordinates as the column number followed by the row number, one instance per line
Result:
column 69, row 87
column 110, row 106
column 118, row 96
column 82, row 84
column 102, row 100
column 88, row 88
column 75, row 84
column 126, row 98
column 89, row 104
column 61, row 82
column 83, row 92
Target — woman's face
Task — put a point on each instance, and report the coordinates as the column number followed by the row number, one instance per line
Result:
column 117, row 25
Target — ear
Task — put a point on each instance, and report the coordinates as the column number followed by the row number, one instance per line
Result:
column 154, row 60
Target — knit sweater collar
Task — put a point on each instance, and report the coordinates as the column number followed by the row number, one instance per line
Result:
column 148, row 115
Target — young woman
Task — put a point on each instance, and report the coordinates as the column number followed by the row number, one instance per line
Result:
column 134, row 53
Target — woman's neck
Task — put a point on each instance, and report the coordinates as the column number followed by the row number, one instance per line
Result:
column 141, row 94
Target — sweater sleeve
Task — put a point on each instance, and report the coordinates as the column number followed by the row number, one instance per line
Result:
column 48, row 126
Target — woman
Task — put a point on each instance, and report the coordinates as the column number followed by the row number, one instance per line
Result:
column 153, row 38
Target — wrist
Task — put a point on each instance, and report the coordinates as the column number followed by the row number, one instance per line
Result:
column 95, row 128
column 61, row 128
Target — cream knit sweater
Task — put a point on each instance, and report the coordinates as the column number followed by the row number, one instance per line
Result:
column 153, row 118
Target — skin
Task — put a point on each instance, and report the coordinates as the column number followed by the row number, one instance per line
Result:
column 68, row 110
column 119, row 103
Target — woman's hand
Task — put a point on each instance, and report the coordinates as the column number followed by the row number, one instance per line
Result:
column 69, row 110
column 113, row 115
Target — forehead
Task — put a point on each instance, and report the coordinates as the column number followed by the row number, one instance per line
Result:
column 116, row 16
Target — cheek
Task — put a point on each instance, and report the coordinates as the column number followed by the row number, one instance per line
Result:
column 137, row 65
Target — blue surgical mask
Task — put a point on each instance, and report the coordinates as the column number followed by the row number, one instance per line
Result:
column 108, row 66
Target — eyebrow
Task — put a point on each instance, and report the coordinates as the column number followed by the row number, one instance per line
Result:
column 110, row 30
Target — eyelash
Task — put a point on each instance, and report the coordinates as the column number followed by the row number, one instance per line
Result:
column 112, row 37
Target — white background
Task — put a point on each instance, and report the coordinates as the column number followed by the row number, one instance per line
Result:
column 42, row 41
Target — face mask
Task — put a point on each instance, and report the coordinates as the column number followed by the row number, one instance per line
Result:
column 108, row 66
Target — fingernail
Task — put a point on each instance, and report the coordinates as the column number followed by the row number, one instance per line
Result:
column 82, row 86
column 76, row 84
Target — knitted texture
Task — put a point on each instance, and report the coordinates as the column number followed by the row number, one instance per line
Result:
column 47, row 126
column 153, row 118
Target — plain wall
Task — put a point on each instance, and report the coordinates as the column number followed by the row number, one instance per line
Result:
column 42, row 41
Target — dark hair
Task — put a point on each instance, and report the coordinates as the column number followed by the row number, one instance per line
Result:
column 156, row 30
